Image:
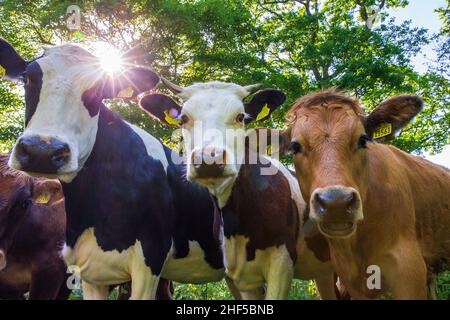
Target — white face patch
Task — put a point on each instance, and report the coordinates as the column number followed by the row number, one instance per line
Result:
column 213, row 109
column 68, row 71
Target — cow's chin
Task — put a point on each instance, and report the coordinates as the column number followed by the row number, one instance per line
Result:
column 67, row 177
column 337, row 230
column 64, row 177
column 216, row 185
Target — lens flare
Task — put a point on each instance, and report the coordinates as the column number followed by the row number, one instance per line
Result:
column 110, row 58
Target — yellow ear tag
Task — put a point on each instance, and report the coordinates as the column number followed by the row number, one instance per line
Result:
column 126, row 93
column 43, row 198
column 269, row 150
column 2, row 72
column 171, row 120
column 263, row 113
column 383, row 130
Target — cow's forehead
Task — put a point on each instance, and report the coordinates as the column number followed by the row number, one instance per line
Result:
column 10, row 182
column 67, row 50
column 327, row 119
column 219, row 86
column 67, row 57
column 218, row 103
column 69, row 65
column 329, row 113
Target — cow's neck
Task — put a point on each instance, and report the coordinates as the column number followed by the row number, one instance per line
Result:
column 242, row 206
column 253, row 220
column 105, row 175
column 223, row 194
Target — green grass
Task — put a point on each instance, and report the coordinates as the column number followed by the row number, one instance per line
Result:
column 443, row 286
column 300, row 290
column 209, row 291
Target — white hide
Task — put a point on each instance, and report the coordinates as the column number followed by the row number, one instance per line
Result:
column 112, row 267
column 99, row 267
column 68, row 71
column 272, row 266
column 213, row 108
column 191, row 269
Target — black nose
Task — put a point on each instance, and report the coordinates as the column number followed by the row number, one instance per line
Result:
column 338, row 202
column 41, row 154
column 209, row 162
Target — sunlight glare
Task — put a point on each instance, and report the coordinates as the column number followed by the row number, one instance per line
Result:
column 110, row 58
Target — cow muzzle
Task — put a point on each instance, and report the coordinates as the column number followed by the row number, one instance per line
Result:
column 336, row 210
column 210, row 165
column 39, row 154
column 2, row 260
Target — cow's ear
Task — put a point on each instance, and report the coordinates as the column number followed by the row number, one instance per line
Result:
column 130, row 83
column 263, row 103
column 391, row 115
column 46, row 191
column 162, row 107
column 11, row 63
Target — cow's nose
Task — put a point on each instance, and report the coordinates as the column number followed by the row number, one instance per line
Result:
column 209, row 162
column 335, row 203
column 41, row 154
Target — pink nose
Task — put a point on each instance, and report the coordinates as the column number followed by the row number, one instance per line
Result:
column 209, row 162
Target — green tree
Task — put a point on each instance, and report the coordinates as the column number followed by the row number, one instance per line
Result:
column 14, row 29
column 296, row 45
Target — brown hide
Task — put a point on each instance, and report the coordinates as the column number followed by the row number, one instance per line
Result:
column 399, row 204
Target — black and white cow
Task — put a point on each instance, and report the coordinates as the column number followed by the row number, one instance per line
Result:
column 260, row 200
column 130, row 213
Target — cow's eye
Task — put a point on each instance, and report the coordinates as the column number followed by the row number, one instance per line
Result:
column 25, row 80
column 184, row 119
column 362, row 141
column 25, row 204
column 295, row 147
column 240, row 118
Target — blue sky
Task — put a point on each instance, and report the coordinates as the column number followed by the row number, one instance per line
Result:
column 421, row 13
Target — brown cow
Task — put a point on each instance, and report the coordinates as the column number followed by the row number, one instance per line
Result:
column 32, row 228
column 380, row 208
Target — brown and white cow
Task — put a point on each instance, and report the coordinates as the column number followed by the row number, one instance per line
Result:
column 260, row 201
column 32, row 228
column 385, row 213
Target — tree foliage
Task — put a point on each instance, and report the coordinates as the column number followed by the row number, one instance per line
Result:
column 296, row 45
